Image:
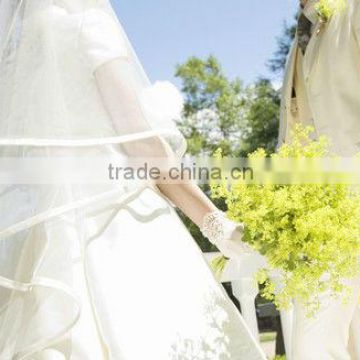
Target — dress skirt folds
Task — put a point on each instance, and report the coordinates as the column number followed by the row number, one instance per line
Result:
column 95, row 271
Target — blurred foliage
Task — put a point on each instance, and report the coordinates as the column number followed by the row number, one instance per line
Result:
column 261, row 118
column 220, row 112
column 213, row 107
column 277, row 63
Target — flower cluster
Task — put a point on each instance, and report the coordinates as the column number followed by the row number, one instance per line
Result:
column 309, row 233
column 327, row 8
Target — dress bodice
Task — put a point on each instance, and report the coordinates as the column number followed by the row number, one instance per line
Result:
column 61, row 98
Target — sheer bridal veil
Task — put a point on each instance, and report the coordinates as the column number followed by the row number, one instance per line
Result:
column 60, row 64
column 49, row 105
column 41, row 42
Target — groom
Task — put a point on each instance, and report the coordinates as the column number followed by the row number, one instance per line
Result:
column 322, row 89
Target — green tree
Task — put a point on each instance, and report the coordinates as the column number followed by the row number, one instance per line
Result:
column 261, row 118
column 213, row 107
column 277, row 63
column 221, row 113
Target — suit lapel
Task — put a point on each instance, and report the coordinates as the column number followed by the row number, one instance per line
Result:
column 312, row 51
column 287, row 90
column 290, row 73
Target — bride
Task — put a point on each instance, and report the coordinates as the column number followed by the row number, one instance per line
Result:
column 101, row 271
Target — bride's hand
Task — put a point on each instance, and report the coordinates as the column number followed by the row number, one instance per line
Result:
column 225, row 234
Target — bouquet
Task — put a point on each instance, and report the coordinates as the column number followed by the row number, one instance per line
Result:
column 309, row 233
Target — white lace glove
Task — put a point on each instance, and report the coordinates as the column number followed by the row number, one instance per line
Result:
column 225, row 234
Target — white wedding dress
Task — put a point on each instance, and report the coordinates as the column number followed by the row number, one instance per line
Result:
column 90, row 272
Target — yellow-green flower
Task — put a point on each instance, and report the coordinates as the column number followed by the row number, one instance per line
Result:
column 328, row 8
column 308, row 232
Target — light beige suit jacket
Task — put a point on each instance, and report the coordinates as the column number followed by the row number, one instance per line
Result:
column 331, row 68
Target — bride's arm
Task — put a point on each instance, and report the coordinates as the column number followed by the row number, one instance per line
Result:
column 188, row 197
column 121, row 101
column 120, row 98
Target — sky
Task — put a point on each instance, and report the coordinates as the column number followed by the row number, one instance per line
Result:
column 240, row 33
